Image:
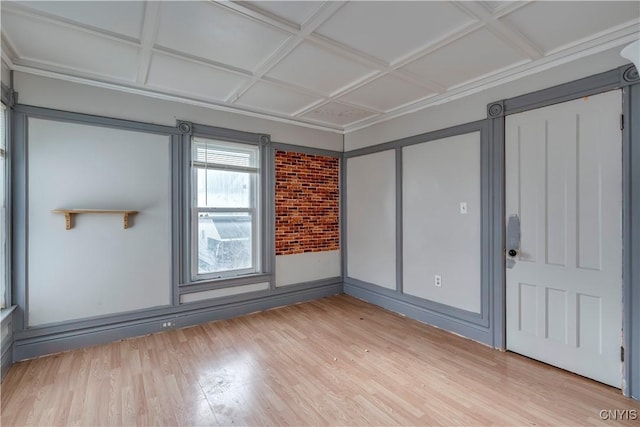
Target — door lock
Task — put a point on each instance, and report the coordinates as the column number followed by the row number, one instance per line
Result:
column 512, row 240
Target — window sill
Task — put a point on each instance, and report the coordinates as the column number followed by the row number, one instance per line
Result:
column 6, row 312
column 227, row 282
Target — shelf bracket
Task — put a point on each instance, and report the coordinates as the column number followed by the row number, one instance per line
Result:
column 67, row 216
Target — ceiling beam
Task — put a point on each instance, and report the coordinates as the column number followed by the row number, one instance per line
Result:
column 148, row 38
column 501, row 30
column 326, row 11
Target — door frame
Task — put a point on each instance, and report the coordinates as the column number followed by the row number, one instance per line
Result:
column 625, row 78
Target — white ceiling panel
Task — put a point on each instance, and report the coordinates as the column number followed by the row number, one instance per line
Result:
column 293, row 11
column 318, row 69
column 338, row 114
column 265, row 96
column 192, row 79
column 213, row 32
column 386, row 93
column 391, row 30
column 75, row 50
column 470, row 57
column 552, row 24
column 116, row 17
column 343, row 65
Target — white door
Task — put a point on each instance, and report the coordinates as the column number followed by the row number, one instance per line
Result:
column 564, row 181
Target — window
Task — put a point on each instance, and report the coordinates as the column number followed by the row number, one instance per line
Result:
column 3, row 208
column 225, row 209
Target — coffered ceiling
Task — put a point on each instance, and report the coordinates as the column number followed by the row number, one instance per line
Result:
column 340, row 66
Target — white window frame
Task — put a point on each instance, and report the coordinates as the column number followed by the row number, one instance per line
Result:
column 254, row 208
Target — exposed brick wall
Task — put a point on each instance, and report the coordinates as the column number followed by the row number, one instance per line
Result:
column 307, row 203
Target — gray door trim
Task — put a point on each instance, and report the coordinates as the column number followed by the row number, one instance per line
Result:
column 625, row 78
column 631, row 239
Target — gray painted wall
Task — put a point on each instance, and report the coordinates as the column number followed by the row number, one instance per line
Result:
column 437, row 238
column 458, row 318
column 371, row 218
column 113, row 162
column 97, row 267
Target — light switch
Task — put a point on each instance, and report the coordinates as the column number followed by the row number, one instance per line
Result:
column 463, row 207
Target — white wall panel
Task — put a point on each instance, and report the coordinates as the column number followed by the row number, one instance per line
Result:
column 437, row 238
column 307, row 267
column 97, row 267
column 371, row 218
column 224, row 292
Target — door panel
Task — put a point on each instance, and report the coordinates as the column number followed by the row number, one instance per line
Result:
column 564, row 180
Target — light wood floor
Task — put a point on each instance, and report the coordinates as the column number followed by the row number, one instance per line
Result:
column 336, row 361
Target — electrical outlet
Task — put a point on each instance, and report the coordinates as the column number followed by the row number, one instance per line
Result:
column 169, row 324
column 437, row 280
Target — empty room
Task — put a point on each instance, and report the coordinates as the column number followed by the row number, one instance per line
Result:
column 320, row 213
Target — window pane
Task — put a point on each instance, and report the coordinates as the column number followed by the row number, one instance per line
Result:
column 224, row 242
column 223, row 189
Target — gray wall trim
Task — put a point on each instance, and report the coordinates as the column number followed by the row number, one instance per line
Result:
column 19, row 165
column 631, row 239
column 7, row 343
column 305, row 150
column 389, row 299
column 8, row 220
column 343, row 215
column 496, row 237
column 629, row 74
column 278, row 146
column 158, row 312
column 27, row 348
column 609, row 80
column 417, row 139
column 97, row 321
column 6, row 361
column 270, row 217
column 399, row 223
column 452, row 313
column 267, row 209
column 224, row 134
column 482, row 319
column 486, row 227
column 177, row 218
column 185, row 203
column 67, row 116
column 20, row 207
column 8, row 96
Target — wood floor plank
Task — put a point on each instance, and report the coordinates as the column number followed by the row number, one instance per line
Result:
column 335, row 361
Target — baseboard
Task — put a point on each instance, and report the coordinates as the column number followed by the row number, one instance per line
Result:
column 30, row 347
column 7, row 361
column 420, row 313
